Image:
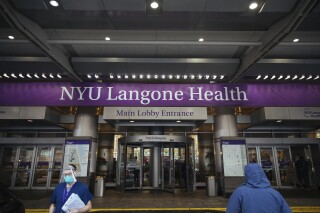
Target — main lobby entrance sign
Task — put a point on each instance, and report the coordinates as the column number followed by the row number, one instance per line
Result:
column 134, row 94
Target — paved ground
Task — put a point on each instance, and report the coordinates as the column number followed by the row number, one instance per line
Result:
column 155, row 201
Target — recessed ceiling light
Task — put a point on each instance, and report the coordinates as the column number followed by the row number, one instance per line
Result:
column 119, row 76
column 20, row 75
column 310, row 76
column 214, row 76
column 221, row 77
column 258, row 77
column 178, row 121
column 96, row 76
column 178, row 76
column 13, row 75
column 163, row 76
column 295, row 40
column 54, row 3
column 170, row 76
column 59, row 76
column 280, row 77
column 131, row 121
column 295, row 77
column 28, row 75
column 253, row 5
column 6, row 75
column 302, row 77
column 279, row 121
column 36, row 75
column 89, row 76
column 148, row 76
column 51, row 76
column 201, row 39
column 273, row 77
column 133, row 76
column 141, row 76
column 111, row 76
column 192, row 76
column 30, row 121
column 317, row 77
column 107, row 38
column 185, row 76
column 154, row 5
column 11, row 37
column 126, row 76
column 156, row 76
column 265, row 77
column 288, row 76
column 44, row 76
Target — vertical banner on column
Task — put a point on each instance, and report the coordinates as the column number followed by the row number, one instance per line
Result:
column 77, row 152
column 234, row 157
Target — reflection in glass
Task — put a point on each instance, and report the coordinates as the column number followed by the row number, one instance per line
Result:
column 24, row 167
column 268, row 164
column 42, row 165
column 7, row 165
column 286, row 173
column 56, row 166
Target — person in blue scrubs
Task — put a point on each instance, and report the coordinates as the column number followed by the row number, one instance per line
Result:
column 256, row 194
column 65, row 188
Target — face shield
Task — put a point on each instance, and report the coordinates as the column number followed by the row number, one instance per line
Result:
column 68, row 175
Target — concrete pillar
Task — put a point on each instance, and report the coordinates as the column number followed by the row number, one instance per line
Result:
column 86, row 124
column 225, row 125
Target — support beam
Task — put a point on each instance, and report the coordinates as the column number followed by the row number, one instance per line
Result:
column 37, row 36
column 274, row 35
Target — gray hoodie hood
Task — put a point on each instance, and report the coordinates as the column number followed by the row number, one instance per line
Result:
column 255, row 176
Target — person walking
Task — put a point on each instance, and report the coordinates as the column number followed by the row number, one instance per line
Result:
column 67, row 186
column 302, row 172
column 256, row 194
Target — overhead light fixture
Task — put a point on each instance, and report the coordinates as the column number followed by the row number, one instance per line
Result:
column 178, row 76
column 36, row 75
column 131, row 121
column 133, row 76
column 11, row 37
column 156, row 76
column 295, row 40
column 89, row 76
column 148, row 76
column 279, row 121
column 200, row 76
column 201, row 40
column 54, row 3
column 178, row 121
column 302, row 77
column 107, row 38
column 207, row 76
column 154, row 5
column 119, row 76
column 221, row 77
column 214, row 76
column 295, row 77
column 51, row 76
column 310, row 76
column 43, row 75
column 258, row 77
column 192, row 76
column 141, row 76
column 20, row 75
column 6, row 75
column 163, row 76
column 96, row 76
column 13, row 75
column 280, row 77
column 185, row 77
column 170, row 76
column 28, row 75
column 30, row 121
column 59, row 76
column 317, row 77
column 265, row 77
column 273, row 77
column 253, row 5
column 126, row 76
column 288, row 77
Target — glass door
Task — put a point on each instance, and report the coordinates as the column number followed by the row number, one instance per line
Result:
column 7, row 164
column 147, row 168
column 285, row 171
column 133, row 167
column 24, row 164
column 41, row 169
column 267, row 163
column 168, row 168
column 55, row 167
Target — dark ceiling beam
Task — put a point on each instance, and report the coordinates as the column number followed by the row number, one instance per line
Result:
column 274, row 35
column 37, row 36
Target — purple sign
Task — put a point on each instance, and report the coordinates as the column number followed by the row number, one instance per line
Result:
column 151, row 95
column 233, row 142
column 70, row 142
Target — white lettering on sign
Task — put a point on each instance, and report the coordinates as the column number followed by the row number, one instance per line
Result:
column 146, row 96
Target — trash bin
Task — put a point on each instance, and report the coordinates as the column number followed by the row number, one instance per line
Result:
column 211, row 186
column 99, row 187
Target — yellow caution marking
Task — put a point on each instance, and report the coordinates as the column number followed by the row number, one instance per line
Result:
column 296, row 209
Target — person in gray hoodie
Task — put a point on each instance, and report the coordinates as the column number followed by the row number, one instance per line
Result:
column 256, row 194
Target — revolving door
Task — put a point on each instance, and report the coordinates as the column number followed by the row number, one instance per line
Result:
column 155, row 163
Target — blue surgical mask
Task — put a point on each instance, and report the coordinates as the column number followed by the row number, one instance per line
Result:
column 68, row 179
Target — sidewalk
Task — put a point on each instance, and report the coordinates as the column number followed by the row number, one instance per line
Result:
column 157, row 201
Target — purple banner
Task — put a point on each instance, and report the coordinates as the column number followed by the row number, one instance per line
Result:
column 71, row 142
column 233, row 142
column 150, row 95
